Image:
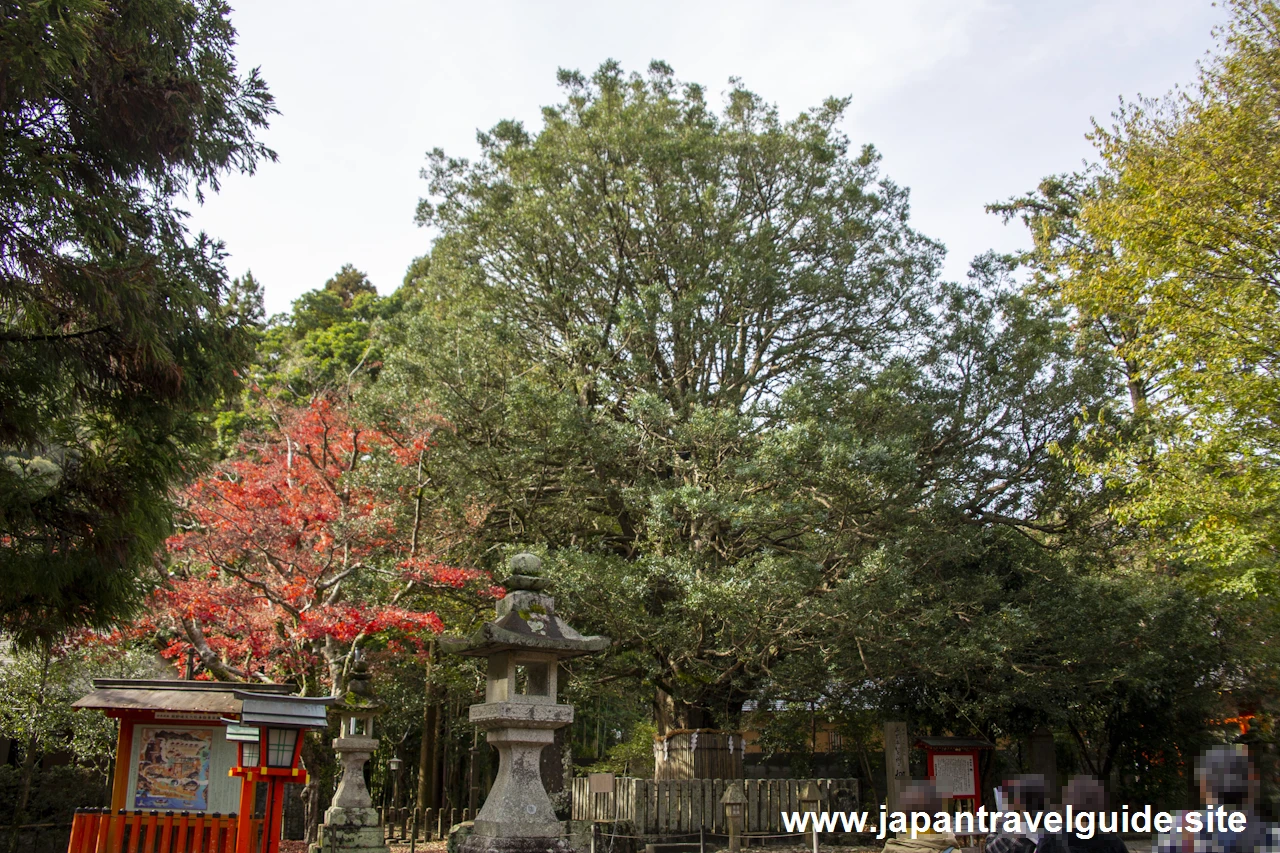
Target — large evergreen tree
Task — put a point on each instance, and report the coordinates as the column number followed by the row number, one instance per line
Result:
column 704, row 359
column 118, row 332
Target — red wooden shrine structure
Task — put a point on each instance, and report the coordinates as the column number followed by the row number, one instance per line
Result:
column 190, row 756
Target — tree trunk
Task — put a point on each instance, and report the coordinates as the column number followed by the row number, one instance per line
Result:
column 322, row 766
column 865, row 760
column 446, row 765
column 473, row 780
column 671, row 714
column 428, row 726
column 436, row 791
column 312, row 814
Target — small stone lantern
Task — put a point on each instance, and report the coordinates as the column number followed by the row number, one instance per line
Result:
column 351, row 823
column 735, row 810
column 524, row 645
column 811, row 801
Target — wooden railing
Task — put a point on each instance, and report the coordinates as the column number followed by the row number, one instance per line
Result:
column 100, row 831
column 666, row 808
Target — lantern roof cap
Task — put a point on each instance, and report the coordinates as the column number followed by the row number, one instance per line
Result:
column 526, row 621
column 360, row 699
column 286, row 712
column 733, row 794
column 513, row 633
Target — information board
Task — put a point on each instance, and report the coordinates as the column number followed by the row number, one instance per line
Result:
column 953, row 775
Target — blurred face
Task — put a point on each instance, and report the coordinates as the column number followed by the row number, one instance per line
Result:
column 921, row 800
column 1084, row 794
column 1229, row 783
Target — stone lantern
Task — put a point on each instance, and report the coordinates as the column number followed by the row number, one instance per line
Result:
column 735, row 812
column 351, row 823
column 524, row 645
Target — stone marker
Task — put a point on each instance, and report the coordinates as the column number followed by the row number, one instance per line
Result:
column 1042, row 758
column 897, row 762
column 524, row 645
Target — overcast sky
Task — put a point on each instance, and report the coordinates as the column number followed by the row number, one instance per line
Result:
column 968, row 101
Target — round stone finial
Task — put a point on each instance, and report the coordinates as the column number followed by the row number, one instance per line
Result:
column 526, row 573
column 360, row 682
column 525, row 564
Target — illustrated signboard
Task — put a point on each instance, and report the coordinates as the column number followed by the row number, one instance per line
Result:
column 953, row 774
column 173, row 768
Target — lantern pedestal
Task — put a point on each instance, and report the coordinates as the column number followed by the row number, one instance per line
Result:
column 518, row 805
column 356, row 829
column 352, row 823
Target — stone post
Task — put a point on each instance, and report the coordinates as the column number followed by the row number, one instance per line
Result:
column 734, row 802
column 1042, row 758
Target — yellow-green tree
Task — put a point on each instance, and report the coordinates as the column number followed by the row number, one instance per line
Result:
column 1169, row 250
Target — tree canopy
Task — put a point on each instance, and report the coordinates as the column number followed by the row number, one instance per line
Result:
column 1167, row 250
column 118, row 332
column 703, row 359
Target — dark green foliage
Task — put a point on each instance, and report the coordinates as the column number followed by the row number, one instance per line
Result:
column 116, row 331
column 328, row 344
column 56, row 792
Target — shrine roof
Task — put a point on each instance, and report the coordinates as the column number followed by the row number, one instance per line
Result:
column 212, row 697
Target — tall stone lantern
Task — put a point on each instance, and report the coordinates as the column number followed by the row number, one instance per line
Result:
column 524, row 645
column 351, row 823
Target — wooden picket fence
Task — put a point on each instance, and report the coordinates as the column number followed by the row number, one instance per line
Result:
column 429, row 825
column 689, row 806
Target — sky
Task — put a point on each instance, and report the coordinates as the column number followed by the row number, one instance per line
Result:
column 968, row 101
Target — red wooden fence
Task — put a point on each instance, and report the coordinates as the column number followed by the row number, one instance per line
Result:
column 100, row 831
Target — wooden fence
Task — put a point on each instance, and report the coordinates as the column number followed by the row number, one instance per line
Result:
column 698, row 754
column 101, row 831
column 429, row 825
column 36, row 837
column 669, row 808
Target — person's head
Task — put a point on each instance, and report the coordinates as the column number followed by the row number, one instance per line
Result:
column 1227, row 777
column 1084, row 794
column 1026, row 793
column 920, row 796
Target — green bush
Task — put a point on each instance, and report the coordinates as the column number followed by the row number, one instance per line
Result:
column 56, row 793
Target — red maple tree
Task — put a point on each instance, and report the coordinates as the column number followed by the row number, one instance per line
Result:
column 295, row 551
